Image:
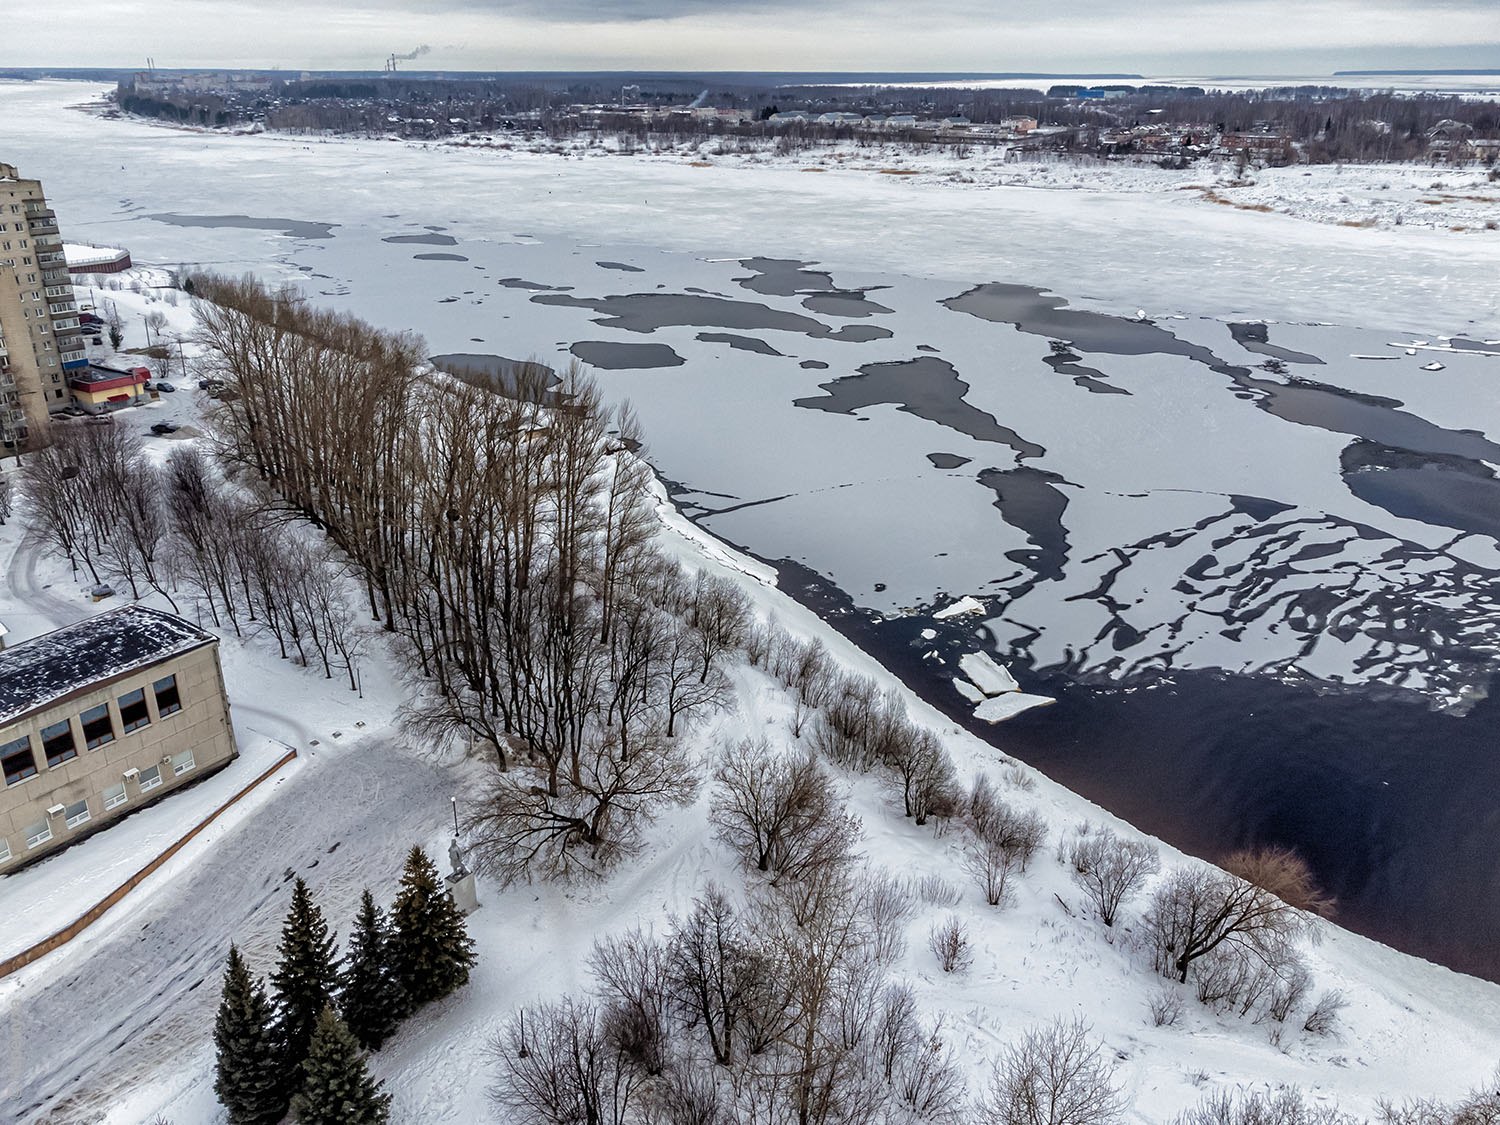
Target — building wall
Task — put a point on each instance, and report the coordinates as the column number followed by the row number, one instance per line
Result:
column 38, row 312
column 202, row 726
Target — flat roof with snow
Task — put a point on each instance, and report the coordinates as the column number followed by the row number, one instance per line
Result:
column 43, row 671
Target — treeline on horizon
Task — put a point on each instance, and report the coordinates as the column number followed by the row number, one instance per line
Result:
column 1330, row 123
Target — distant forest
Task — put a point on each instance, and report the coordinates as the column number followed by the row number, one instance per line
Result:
column 1324, row 124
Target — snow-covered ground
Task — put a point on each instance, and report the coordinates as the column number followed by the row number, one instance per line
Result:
column 344, row 817
column 1411, row 1028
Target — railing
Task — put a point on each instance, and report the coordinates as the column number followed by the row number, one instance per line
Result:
column 62, row 308
column 53, row 256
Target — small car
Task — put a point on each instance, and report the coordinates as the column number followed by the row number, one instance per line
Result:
column 162, row 385
column 161, row 428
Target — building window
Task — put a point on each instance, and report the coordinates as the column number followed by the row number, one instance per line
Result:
column 133, row 713
column 18, row 760
column 115, row 796
column 150, row 778
column 4, row 850
column 98, row 728
column 38, row 834
column 168, row 701
column 78, row 813
column 183, row 762
column 58, row 744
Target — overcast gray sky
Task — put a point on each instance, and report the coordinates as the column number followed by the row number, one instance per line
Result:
column 1163, row 37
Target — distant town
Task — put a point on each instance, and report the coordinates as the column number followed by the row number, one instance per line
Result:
column 1168, row 125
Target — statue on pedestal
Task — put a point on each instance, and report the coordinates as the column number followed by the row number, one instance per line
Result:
column 456, row 858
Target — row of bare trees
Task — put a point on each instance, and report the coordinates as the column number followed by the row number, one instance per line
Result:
column 764, row 1011
column 502, row 527
column 175, row 528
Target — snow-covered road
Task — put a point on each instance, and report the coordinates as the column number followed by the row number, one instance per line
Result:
column 122, row 1005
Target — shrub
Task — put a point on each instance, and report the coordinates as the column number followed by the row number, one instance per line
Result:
column 949, row 941
column 1111, row 870
column 1199, row 909
column 1284, row 1107
column 1056, row 1075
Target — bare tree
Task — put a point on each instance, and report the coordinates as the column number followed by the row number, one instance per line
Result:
column 719, row 613
column 1285, row 874
column 1055, row 1075
column 1288, row 1106
column 991, row 864
column 1197, row 909
column 558, row 1066
column 949, row 941
column 634, row 976
column 992, row 819
column 716, row 971
column 922, row 773
column 780, row 813
column 520, row 830
column 1111, row 869
column 5, row 497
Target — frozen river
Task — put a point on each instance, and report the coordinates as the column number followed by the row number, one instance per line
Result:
column 1159, row 440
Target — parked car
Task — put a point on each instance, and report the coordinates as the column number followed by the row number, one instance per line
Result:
column 100, row 419
column 162, row 385
column 74, row 411
column 210, row 384
column 161, row 428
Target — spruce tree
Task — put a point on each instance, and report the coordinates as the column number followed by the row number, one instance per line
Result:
column 370, row 994
column 336, row 1085
column 305, row 976
column 430, row 948
column 250, row 1080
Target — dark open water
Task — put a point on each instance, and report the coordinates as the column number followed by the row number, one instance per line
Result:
column 1395, row 806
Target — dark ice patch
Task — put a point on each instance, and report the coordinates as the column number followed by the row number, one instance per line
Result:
column 926, row 387
column 948, row 460
column 1255, row 337
column 1029, row 499
column 813, row 365
column 422, row 239
column 619, row 266
column 611, row 356
column 296, row 228
column 738, row 343
column 439, row 258
column 534, row 286
column 1444, row 491
column 647, row 312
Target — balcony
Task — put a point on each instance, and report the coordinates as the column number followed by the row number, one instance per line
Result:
column 50, row 257
column 53, row 276
column 62, row 308
column 42, row 226
column 65, row 325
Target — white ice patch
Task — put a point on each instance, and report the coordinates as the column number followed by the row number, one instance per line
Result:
column 991, row 678
column 1009, row 705
column 964, row 605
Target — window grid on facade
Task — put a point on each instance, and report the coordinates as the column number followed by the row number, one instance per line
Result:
column 150, row 778
column 78, row 813
column 98, row 728
column 58, row 744
column 115, row 796
column 18, row 760
column 182, row 762
column 4, row 850
column 168, row 701
column 38, row 834
column 133, row 712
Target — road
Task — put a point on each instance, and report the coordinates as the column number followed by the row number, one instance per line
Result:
column 101, row 1016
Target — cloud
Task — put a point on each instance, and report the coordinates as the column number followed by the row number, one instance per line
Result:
column 1165, row 36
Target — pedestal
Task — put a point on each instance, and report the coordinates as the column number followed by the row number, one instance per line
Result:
column 465, row 896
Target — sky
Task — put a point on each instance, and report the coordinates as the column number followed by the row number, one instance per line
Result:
column 1164, row 37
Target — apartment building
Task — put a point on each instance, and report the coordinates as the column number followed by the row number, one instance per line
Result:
column 40, row 341
column 101, row 718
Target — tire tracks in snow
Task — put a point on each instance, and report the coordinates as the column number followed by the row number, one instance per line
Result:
column 89, row 1021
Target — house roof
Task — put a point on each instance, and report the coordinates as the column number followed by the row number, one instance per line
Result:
column 39, row 672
